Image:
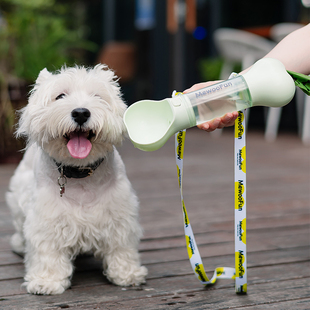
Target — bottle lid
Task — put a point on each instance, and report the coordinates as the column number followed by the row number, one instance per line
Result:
column 269, row 83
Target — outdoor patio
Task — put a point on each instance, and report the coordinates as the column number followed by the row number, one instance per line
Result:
column 278, row 231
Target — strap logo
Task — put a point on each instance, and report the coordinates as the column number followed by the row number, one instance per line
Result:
column 186, row 220
column 201, row 273
column 239, row 129
column 190, row 246
column 180, row 146
column 241, row 231
column 239, row 199
column 239, row 259
column 241, row 159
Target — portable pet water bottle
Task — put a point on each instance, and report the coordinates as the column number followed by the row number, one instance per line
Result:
column 151, row 123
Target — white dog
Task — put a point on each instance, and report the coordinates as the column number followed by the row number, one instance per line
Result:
column 70, row 193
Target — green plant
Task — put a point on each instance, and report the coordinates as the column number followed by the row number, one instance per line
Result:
column 39, row 34
column 210, row 68
column 36, row 34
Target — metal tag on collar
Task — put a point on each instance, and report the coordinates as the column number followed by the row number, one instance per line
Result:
column 62, row 181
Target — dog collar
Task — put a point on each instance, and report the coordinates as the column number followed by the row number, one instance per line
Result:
column 78, row 172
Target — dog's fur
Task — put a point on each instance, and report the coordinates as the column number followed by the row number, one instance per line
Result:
column 98, row 213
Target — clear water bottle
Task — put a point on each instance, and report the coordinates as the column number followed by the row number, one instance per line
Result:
column 218, row 99
column 151, row 123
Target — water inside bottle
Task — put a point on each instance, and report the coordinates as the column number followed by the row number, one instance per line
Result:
column 221, row 98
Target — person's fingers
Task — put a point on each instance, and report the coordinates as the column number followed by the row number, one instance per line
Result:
column 219, row 123
column 204, row 126
column 211, row 125
column 228, row 120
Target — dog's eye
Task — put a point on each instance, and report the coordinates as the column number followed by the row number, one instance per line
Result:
column 60, row 96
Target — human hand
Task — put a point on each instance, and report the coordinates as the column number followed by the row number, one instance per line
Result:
column 217, row 123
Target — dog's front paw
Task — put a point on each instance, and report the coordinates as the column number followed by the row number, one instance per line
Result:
column 133, row 276
column 46, row 287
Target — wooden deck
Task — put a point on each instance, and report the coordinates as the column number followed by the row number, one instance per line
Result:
column 278, row 231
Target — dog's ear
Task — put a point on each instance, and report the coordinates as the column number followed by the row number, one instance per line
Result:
column 43, row 75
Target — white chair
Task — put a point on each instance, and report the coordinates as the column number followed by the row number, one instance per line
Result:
column 277, row 33
column 303, row 119
column 238, row 46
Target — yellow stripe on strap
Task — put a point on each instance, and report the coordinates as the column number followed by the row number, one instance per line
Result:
column 192, row 248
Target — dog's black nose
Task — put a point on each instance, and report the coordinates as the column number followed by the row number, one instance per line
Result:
column 80, row 115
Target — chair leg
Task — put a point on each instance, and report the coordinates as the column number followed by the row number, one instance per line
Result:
column 306, row 123
column 300, row 105
column 272, row 126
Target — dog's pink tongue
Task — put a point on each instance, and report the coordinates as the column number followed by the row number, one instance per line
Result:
column 79, row 146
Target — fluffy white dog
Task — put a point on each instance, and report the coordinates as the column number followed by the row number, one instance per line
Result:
column 70, row 193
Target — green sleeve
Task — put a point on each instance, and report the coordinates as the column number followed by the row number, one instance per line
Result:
column 302, row 81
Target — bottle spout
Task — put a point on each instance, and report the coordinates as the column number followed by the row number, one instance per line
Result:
column 151, row 123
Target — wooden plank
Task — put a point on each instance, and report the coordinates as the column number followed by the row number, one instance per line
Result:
column 257, row 273
column 180, row 253
column 8, row 257
column 168, row 224
column 8, row 272
column 256, row 242
column 186, row 301
column 217, row 297
column 176, row 267
column 274, row 236
column 161, row 230
column 179, row 266
column 297, row 304
column 168, row 235
column 200, row 300
column 219, row 243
